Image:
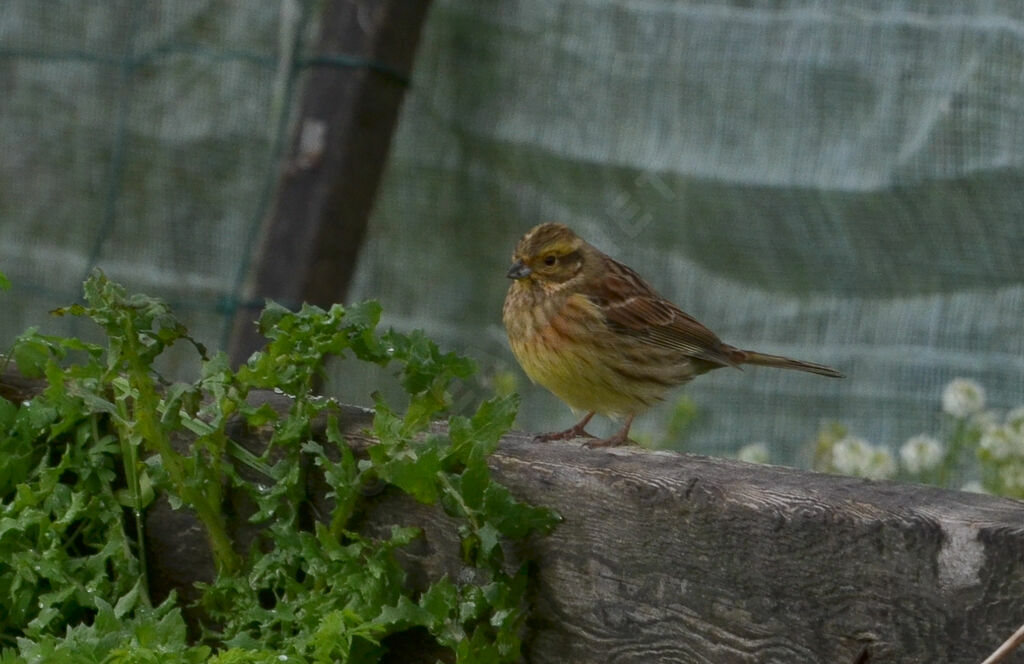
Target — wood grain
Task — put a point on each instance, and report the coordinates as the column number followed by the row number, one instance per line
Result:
column 681, row 558
column 667, row 557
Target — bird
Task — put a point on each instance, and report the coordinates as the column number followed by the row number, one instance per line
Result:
column 600, row 338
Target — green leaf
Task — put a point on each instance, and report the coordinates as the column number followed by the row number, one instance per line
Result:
column 414, row 472
column 273, row 314
column 72, row 310
column 472, row 483
column 439, row 600
column 477, row 437
column 403, row 615
column 400, row 536
column 8, row 414
column 31, row 353
column 94, row 402
column 363, row 316
column 514, row 519
column 127, row 602
column 490, row 542
column 330, row 595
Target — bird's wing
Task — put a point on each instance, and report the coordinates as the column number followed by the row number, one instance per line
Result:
column 632, row 307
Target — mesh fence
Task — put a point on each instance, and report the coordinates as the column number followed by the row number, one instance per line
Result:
column 836, row 181
column 141, row 137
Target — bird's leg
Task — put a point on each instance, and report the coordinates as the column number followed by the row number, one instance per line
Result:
column 578, row 430
column 618, row 440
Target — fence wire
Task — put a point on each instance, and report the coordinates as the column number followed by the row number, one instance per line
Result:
column 837, row 181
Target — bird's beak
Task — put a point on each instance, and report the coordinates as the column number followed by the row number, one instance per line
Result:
column 518, row 271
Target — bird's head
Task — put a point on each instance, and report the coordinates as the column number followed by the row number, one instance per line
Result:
column 548, row 254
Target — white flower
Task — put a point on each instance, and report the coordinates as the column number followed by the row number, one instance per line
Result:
column 921, row 453
column 986, row 419
column 855, row 456
column 881, row 466
column 753, row 453
column 1015, row 421
column 974, row 486
column 1012, row 476
column 1015, row 430
column 997, row 442
column 850, row 455
column 963, row 397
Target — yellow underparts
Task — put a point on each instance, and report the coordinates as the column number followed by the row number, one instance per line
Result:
column 573, row 354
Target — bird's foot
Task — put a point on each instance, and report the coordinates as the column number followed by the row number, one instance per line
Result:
column 577, row 430
column 572, row 432
column 610, row 441
column 619, row 439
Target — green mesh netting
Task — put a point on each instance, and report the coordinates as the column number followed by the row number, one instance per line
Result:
column 140, row 137
column 836, row 181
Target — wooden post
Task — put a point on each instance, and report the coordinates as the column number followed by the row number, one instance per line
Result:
column 349, row 108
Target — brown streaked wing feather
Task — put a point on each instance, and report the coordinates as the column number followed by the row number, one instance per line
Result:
column 630, row 304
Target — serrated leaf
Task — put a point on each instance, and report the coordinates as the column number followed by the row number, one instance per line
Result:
column 490, row 542
column 8, row 413
column 478, row 436
column 472, row 483
column 415, row 473
column 257, row 417
column 402, row 535
column 127, row 602
column 514, row 519
column 195, row 425
column 403, row 615
column 31, row 354
column 94, row 402
column 493, row 419
column 72, row 310
column 363, row 315
column 273, row 314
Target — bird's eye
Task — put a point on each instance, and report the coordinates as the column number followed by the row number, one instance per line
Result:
column 550, row 260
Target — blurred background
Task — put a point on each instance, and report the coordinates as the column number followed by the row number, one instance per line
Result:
column 838, row 181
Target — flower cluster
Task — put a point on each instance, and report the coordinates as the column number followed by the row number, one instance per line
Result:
column 855, row 456
column 921, row 454
column 754, row 453
column 963, row 397
column 1000, row 453
column 978, row 450
column 982, row 446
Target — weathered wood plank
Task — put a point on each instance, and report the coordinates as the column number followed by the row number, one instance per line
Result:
column 681, row 558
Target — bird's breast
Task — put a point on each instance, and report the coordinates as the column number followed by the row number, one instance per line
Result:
column 534, row 315
column 564, row 343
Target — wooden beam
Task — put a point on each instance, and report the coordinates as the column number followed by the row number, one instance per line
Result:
column 681, row 558
column 15, row 387
column 665, row 557
column 351, row 99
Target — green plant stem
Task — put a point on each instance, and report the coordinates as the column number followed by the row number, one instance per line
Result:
column 471, row 518
column 130, row 461
column 207, row 507
column 956, row 448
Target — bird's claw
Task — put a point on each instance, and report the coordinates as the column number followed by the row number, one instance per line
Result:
column 612, row 441
column 568, row 434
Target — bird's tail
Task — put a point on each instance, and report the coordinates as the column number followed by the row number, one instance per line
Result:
column 779, row 362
